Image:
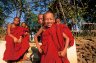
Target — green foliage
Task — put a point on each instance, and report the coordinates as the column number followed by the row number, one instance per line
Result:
column 74, row 9
column 7, row 7
column 2, row 17
column 31, row 20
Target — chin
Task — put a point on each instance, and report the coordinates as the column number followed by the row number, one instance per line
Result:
column 49, row 26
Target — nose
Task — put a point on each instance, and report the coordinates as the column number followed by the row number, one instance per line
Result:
column 49, row 20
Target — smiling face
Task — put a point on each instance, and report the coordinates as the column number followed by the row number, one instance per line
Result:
column 48, row 19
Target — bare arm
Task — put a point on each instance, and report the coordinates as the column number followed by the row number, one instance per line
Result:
column 63, row 53
column 67, row 41
column 36, row 39
column 8, row 32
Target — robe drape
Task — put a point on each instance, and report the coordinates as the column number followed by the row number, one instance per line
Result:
column 16, row 50
column 53, row 42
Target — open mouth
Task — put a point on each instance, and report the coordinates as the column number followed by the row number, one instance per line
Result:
column 49, row 25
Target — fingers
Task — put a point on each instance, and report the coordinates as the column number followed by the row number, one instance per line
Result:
column 15, row 39
column 40, row 50
column 61, row 54
column 19, row 41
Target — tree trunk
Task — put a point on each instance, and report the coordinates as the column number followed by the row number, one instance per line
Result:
column 18, row 5
column 62, row 10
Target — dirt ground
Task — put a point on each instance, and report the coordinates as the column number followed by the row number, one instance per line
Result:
column 86, row 49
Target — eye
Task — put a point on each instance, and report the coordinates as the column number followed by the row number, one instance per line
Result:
column 51, row 19
column 46, row 19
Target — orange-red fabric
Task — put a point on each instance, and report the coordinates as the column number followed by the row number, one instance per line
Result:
column 53, row 42
column 15, row 50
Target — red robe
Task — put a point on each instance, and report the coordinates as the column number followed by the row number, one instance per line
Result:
column 16, row 50
column 53, row 42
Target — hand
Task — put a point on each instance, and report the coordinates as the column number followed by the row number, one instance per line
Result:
column 15, row 39
column 62, row 53
column 40, row 50
column 39, row 47
column 20, row 39
column 26, row 33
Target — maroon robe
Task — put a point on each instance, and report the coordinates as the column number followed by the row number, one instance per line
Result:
column 53, row 42
column 16, row 50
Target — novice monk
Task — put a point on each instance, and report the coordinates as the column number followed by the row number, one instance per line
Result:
column 16, row 44
column 40, row 19
column 40, row 23
column 57, row 20
column 24, row 25
column 55, row 40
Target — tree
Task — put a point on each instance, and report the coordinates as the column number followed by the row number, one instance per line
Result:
column 74, row 8
column 7, row 7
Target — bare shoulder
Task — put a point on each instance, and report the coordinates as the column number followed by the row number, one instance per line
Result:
column 43, row 28
column 12, row 25
column 9, row 25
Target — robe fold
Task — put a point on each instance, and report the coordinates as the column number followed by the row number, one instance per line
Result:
column 53, row 42
column 16, row 50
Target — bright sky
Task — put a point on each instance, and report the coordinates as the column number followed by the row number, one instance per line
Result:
column 13, row 14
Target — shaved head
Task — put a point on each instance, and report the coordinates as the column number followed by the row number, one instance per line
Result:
column 40, row 19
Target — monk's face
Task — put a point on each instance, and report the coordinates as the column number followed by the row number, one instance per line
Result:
column 57, row 21
column 16, row 21
column 48, row 19
column 40, row 19
column 23, row 25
